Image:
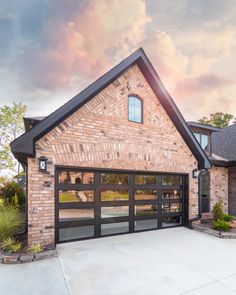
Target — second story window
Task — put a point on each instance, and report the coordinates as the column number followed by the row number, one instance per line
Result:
column 203, row 140
column 135, row 109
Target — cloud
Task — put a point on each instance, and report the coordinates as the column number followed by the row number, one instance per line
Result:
column 80, row 45
column 203, row 84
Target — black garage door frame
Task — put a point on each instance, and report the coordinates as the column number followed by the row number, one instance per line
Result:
column 131, row 187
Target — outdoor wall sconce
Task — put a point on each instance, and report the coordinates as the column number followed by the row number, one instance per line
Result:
column 43, row 164
column 196, row 173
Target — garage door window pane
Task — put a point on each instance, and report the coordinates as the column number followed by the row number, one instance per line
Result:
column 171, row 180
column 118, row 211
column 145, row 195
column 171, row 207
column 73, row 233
column 76, row 214
column 114, row 195
column 114, row 228
column 140, row 210
column 145, row 179
column 145, row 224
column 76, row 196
column 171, row 194
column 171, row 221
column 108, row 178
column 73, row 177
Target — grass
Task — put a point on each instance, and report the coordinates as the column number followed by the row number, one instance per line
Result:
column 1, row 202
column 111, row 196
column 67, row 197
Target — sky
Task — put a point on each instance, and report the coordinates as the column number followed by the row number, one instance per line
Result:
column 52, row 49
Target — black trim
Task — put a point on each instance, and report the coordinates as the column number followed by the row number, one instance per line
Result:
column 97, row 221
column 24, row 145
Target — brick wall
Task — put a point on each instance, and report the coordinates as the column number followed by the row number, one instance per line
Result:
column 99, row 135
column 219, row 186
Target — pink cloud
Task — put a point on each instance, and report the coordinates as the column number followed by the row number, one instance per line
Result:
column 202, row 84
column 80, row 45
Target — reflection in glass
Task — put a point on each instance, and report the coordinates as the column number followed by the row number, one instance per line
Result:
column 116, row 178
column 171, row 207
column 149, row 209
column 145, row 179
column 145, row 195
column 135, row 109
column 171, row 221
column 116, row 211
column 171, row 180
column 76, row 196
column 79, row 232
column 114, row 195
column 114, row 228
column 170, row 194
column 76, row 177
column 145, row 224
column 76, row 214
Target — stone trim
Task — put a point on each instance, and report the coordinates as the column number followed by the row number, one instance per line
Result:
column 213, row 232
column 17, row 258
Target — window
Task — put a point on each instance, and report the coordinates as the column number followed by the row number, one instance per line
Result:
column 76, row 196
column 135, row 111
column 203, row 140
column 205, row 192
column 114, row 178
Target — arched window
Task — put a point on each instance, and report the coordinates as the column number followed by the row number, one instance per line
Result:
column 135, row 109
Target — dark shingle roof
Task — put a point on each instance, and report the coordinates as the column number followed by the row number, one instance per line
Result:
column 224, row 143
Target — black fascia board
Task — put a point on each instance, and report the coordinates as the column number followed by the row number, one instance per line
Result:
column 24, row 144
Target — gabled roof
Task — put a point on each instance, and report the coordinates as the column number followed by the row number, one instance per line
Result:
column 24, row 146
column 203, row 126
column 30, row 122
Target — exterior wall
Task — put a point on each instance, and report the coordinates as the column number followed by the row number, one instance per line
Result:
column 219, row 186
column 99, row 135
column 232, row 190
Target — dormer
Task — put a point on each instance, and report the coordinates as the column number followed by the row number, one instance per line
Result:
column 203, row 135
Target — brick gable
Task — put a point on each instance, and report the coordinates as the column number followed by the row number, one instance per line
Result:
column 99, row 135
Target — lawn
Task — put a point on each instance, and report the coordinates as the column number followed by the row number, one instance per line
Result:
column 67, row 197
column 1, row 202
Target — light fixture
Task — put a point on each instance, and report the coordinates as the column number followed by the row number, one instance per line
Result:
column 196, row 173
column 43, row 164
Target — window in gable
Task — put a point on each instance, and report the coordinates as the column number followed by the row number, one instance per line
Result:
column 135, row 109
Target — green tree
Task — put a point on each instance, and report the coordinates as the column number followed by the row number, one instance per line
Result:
column 218, row 119
column 11, row 126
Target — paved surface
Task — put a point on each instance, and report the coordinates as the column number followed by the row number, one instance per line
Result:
column 172, row 261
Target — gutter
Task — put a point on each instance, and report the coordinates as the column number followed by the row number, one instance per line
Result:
column 199, row 216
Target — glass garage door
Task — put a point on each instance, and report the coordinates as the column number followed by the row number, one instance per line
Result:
column 92, row 204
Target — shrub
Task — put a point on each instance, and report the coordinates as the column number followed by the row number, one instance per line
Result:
column 218, row 213
column 9, row 193
column 10, row 222
column 11, row 245
column 228, row 217
column 221, row 225
column 35, row 249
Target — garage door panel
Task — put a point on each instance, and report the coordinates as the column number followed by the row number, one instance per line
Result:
column 105, row 203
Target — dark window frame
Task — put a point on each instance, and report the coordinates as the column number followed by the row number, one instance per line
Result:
column 141, row 115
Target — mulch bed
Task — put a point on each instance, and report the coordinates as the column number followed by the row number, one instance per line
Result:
column 206, row 226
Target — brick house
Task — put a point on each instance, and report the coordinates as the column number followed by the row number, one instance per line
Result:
column 118, row 158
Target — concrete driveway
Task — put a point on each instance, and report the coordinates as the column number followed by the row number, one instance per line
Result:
column 171, row 261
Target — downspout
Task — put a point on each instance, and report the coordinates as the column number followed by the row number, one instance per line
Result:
column 199, row 216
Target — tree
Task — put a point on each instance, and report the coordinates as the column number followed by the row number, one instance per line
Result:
column 218, row 119
column 11, row 126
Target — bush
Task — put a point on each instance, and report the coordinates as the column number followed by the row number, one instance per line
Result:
column 228, row 217
column 218, row 213
column 11, row 245
column 35, row 249
column 221, row 225
column 10, row 222
column 10, row 192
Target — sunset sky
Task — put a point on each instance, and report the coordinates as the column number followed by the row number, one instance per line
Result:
column 51, row 49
